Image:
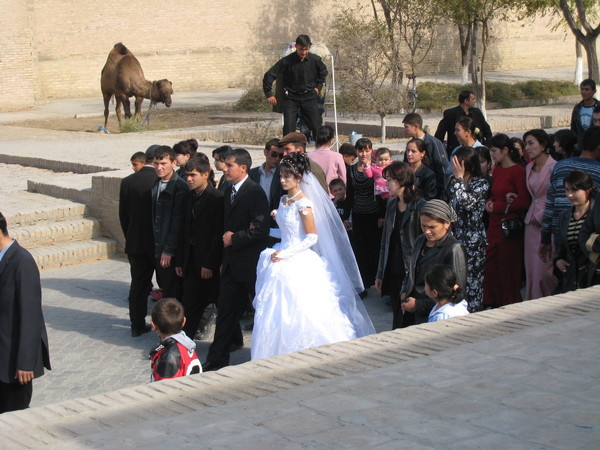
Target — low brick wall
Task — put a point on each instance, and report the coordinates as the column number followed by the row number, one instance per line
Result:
column 105, row 206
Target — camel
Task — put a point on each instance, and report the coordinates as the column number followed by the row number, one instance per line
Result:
column 123, row 77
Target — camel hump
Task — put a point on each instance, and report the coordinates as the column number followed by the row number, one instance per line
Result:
column 121, row 49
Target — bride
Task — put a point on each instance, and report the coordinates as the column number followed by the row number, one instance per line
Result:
column 304, row 297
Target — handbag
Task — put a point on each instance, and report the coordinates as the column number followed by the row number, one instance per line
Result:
column 512, row 228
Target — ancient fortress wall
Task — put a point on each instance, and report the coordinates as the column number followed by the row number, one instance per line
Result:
column 57, row 48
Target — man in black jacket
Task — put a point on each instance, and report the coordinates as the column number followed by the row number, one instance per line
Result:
column 24, row 349
column 581, row 117
column 167, row 202
column 135, row 215
column 303, row 75
column 246, row 225
column 200, row 243
column 466, row 107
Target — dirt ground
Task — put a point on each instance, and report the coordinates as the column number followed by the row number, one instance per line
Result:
column 161, row 119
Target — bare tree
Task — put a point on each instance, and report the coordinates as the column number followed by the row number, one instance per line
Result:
column 364, row 70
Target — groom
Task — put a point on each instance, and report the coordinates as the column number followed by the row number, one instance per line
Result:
column 246, row 225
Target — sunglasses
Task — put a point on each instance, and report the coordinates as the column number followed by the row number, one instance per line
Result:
column 276, row 155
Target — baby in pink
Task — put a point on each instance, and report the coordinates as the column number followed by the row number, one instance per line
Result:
column 375, row 171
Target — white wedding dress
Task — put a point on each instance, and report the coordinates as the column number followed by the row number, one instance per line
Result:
column 300, row 303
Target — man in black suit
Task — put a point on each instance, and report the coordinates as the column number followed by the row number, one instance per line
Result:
column 24, row 352
column 135, row 215
column 466, row 107
column 246, row 225
column 267, row 174
column 200, row 242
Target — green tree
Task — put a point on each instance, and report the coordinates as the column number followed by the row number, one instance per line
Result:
column 578, row 16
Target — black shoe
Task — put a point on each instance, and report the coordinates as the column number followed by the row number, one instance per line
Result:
column 205, row 328
column 363, row 294
column 210, row 366
column 137, row 332
column 235, row 347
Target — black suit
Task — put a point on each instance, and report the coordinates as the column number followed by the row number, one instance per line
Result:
column 276, row 191
column 448, row 122
column 248, row 218
column 22, row 328
column 200, row 246
column 135, row 214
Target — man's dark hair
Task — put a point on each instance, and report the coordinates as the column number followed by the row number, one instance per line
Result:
column 164, row 151
column 241, row 157
column 303, row 40
column 3, row 225
column 591, row 139
column 198, row 163
column 464, row 95
column 271, row 143
column 187, row 147
column 167, row 316
column 221, row 153
column 413, row 119
column 588, row 82
column 324, row 135
column 596, row 109
column 347, row 149
column 138, row 156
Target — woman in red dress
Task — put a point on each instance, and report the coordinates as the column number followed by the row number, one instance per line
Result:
column 509, row 200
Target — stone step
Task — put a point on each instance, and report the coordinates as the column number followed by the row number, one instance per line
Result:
column 77, row 188
column 61, row 231
column 67, row 253
column 27, row 208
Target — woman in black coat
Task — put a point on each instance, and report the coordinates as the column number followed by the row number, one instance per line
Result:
column 436, row 245
column 400, row 231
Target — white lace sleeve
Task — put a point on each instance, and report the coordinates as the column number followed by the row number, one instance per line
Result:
column 306, row 243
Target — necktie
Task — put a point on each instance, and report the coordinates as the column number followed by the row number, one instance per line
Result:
column 233, row 192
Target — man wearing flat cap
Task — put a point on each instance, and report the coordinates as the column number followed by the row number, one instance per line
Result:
column 296, row 142
column 303, row 75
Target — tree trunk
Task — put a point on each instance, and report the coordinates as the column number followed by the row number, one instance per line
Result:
column 474, row 71
column 578, row 64
column 484, row 46
column 383, row 128
column 464, row 32
column 592, row 56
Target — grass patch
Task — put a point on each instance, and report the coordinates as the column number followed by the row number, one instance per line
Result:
column 252, row 100
column 438, row 96
column 131, row 125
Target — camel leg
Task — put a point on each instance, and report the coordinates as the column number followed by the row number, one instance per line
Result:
column 106, row 96
column 119, row 101
column 138, row 106
column 127, row 107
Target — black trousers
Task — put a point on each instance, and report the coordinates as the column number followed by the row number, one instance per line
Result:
column 233, row 297
column 197, row 295
column 141, row 267
column 168, row 280
column 308, row 107
column 15, row 396
column 367, row 241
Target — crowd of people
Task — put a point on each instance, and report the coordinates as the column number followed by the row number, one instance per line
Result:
column 454, row 228
column 299, row 240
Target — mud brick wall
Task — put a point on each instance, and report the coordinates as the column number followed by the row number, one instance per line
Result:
column 56, row 48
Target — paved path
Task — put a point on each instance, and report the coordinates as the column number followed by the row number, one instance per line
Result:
column 92, row 351
column 524, row 376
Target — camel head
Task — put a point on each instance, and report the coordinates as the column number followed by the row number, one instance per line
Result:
column 162, row 91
